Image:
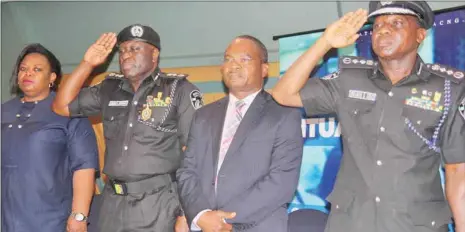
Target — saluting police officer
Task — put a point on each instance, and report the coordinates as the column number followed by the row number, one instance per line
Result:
column 146, row 118
column 399, row 116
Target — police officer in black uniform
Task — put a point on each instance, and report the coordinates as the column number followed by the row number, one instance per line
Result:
column 400, row 119
column 146, row 118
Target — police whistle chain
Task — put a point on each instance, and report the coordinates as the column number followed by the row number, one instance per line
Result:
column 432, row 143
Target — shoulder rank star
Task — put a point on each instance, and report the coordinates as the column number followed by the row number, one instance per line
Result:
column 457, row 74
column 116, row 75
column 175, row 75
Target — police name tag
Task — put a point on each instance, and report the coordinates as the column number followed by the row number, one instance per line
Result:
column 362, row 95
column 118, row 103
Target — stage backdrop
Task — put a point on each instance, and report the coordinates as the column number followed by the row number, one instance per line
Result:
column 322, row 152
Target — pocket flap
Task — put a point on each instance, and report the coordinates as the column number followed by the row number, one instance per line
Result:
column 112, row 116
column 433, row 214
column 341, row 201
column 359, row 106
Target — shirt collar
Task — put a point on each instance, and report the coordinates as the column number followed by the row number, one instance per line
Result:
column 153, row 78
column 418, row 72
column 247, row 100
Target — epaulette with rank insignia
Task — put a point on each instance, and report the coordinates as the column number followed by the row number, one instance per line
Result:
column 174, row 75
column 115, row 76
column 455, row 75
column 356, row 62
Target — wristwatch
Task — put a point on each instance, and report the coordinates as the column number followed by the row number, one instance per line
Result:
column 80, row 217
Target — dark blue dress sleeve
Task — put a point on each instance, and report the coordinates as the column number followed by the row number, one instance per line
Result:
column 82, row 145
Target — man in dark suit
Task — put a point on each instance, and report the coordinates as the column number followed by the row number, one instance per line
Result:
column 243, row 156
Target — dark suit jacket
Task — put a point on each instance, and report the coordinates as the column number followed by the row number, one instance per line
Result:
column 260, row 171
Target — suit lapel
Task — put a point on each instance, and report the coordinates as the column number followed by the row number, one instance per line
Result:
column 216, row 127
column 248, row 123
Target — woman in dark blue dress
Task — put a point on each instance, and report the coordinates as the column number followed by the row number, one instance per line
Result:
column 48, row 161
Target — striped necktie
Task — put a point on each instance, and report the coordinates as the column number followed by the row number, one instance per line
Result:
column 229, row 132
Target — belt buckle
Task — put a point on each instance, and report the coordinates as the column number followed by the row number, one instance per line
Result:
column 119, row 187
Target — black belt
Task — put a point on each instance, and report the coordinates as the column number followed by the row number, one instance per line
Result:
column 141, row 186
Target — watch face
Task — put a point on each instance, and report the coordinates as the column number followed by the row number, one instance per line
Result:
column 79, row 217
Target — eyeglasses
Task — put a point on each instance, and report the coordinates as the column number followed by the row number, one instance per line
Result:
column 243, row 60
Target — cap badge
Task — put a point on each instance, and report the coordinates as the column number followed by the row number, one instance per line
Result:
column 137, row 31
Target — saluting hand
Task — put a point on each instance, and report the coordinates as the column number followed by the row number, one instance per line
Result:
column 99, row 51
column 344, row 32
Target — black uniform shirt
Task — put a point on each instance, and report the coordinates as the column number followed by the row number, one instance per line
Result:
column 394, row 138
column 144, row 131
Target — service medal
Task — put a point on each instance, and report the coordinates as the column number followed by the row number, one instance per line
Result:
column 146, row 113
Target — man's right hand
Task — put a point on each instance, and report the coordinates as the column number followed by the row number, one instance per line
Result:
column 344, row 32
column 99, row 51
column 213, row 221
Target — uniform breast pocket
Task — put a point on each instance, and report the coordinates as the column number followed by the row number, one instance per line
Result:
column 430, row 216
column 342, row 207
column 420, row 126
column 157, row 117
column 423, row 121
column 113, row 124
column 360, row 111
column 358, row 108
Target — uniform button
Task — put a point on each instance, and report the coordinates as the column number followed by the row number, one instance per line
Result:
column 419, row 122
column 382, row 129
column 29, row 115
column 390, row 94
column 130, row 124
column 125, row 148
column 379, row 163
column 19, row 126
column 355, row 111
column 433, row 223
column 377, row 199
column 337, row 206
column 135, row 102
column 18, row 115
column 10, row 126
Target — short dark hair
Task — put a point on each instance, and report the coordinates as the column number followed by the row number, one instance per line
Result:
column 55, row 66
column 260, row 45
